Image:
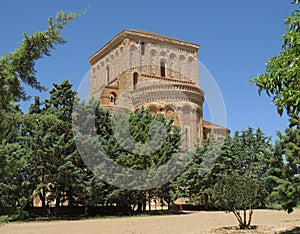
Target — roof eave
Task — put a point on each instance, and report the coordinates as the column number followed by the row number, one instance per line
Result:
column 118, row 39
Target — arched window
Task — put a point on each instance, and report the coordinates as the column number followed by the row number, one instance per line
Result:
column 133, row 57
column 113, row 99
column 107, row 74
column 162, row 69
column 142, row 48
column 135, row 80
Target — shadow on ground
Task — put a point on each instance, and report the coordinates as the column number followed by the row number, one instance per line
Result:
column 295, row 230
column 235, row 229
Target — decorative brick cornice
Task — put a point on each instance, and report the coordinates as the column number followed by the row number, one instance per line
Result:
column 141, row 35
column 169, row 79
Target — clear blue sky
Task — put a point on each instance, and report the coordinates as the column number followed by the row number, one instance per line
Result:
column 236, row 39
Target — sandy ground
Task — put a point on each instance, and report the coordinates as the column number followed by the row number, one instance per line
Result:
column 190, row 223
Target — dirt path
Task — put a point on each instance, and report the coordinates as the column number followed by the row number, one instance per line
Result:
column 191, row 223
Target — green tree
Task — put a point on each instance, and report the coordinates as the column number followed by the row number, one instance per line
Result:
column 281, row 79
column 124, row 139
column 143, row 157
column 13, row 162
column 92, row 127
column 236, row 193
column 69, row 180
column 282, row 82
column 288, row 191
column 61, row 101
column 246, row 173
column 35, row 108
column 197, row 181
column 247, row 153
column 250, row 153
column 54, row 169
column 18, row 142
column 17, row 68
column 39, row 136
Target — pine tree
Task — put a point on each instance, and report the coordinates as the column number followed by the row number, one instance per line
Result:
column 132, row 142
column 288, row 191
column 69, row 180
column 21, row 135
column 13, row 162
column 197, row 180
column 17, row 68
column 57, row 172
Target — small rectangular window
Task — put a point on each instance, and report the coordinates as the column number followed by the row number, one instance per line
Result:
column 162, row 69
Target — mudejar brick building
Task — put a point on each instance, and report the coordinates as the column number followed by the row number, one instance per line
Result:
column 138, row 68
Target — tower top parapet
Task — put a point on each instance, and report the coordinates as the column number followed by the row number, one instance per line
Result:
column 142, row 36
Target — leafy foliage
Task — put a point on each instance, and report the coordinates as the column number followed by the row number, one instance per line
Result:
column 237, row 176
column 39, row 158
column 248, row 153
column 288, row 191
column 40, row 154
column 236, row 193
column 281, row 80
column 131, row 141
column 197, row 180
column 17, row 68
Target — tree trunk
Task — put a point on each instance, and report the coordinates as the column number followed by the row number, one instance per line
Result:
column 42, row 196
column 245, row 218
column 57, row 200
column 140, row 206
column 205, row 201
column 250, row 217
column 149, row 202
column 238, row 217
column 144, row 205
column 57, row 203
column 243, row 221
